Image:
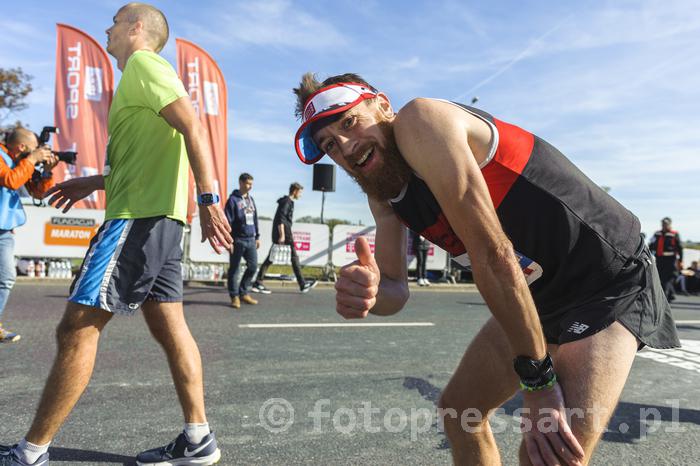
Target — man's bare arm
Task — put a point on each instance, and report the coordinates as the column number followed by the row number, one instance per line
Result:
column 433, row 138
column 364, row 286
column 67, row 193
column 180, row 115
column 390, row 254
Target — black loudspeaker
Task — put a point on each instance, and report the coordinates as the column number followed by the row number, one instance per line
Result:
column 324, row 177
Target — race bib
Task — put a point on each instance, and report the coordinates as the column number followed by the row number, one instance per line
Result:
column 531, row 269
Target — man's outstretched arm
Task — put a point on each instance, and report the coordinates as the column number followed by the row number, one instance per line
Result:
column 390, row 254
column 455, row 179
column 181, row 116
column 64, row 195
column 375, row 283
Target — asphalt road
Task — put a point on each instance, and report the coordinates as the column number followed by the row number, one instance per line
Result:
column 359, row 395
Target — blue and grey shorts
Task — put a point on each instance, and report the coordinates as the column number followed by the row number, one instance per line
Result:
column 130, row 261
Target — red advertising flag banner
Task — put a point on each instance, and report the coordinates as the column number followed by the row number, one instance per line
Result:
column 206, row 86
column 84, row 89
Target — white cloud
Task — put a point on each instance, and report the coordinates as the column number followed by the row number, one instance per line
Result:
column 531, row 49
column 25, row 45
column 628, row 22
column 25, row 35
column 250, row 130
column 277, row 23
column 410, row 63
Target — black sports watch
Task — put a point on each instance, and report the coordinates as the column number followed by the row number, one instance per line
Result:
column 206, row 199
column 535, row 374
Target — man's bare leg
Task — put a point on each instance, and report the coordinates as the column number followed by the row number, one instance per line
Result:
column 77, row 336
column 169, row 327
column 484, row 380
column 592, row 373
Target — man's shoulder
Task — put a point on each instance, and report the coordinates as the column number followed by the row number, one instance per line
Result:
column 417, row 109
column 424, row 114
column 145, row 60
column 146, row 56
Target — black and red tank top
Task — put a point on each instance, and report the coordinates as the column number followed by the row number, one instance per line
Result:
column 570, row 236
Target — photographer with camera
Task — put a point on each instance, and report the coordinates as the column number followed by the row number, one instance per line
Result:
column 18, row 158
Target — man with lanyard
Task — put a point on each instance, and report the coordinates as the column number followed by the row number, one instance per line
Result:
column 242, row 215
column 282, row 235
column 17, row 161
column 134, row 261
column 668, row 250
column 560, row 264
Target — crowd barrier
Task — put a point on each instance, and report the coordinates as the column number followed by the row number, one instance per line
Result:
column 311, row 241
column 50, row 234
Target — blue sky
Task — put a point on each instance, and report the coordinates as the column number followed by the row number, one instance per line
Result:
column 615, row 85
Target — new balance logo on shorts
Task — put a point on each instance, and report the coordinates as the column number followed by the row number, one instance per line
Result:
column 578, row 328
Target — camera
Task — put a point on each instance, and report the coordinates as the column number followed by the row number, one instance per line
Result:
column 64, row 156
column 68, row 157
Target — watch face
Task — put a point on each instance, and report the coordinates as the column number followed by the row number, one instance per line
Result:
column 531, row 369
column 527, row 369
column 207, row 199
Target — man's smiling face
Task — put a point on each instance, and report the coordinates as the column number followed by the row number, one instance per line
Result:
column 362, row 142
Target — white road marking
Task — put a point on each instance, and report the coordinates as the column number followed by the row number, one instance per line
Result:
column 686, row 357
column 687, row 322
column 340, row 325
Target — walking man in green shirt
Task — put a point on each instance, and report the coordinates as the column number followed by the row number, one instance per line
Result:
column 134, row 261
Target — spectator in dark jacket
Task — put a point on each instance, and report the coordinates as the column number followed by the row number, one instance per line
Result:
column 282, row 235
column 243, row 216
column 668, row 250
column 420, row 247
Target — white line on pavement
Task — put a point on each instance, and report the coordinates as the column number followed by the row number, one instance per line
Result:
column 686, row 357
column 687, row 322
column 328, row 325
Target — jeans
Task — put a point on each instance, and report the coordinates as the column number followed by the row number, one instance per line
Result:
column 296, row 267
column 421, row 262
column 7, row 267
column 242, row 248
column 666, row 265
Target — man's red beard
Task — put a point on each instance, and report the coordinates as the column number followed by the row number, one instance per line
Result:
column 390, row 175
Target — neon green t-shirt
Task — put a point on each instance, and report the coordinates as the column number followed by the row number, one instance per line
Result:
column 146, row 170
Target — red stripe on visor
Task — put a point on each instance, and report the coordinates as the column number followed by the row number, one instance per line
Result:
column 327, row 101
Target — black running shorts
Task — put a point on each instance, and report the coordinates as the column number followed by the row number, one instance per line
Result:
column 130, row 261
column 634, row 298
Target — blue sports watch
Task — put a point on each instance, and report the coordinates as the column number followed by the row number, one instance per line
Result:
column 205, row 199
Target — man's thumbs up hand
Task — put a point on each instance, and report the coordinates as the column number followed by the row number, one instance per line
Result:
column 358, row 283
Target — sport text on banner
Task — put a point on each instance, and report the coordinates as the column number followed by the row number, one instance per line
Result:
column 207, row 88
column 84, row 89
